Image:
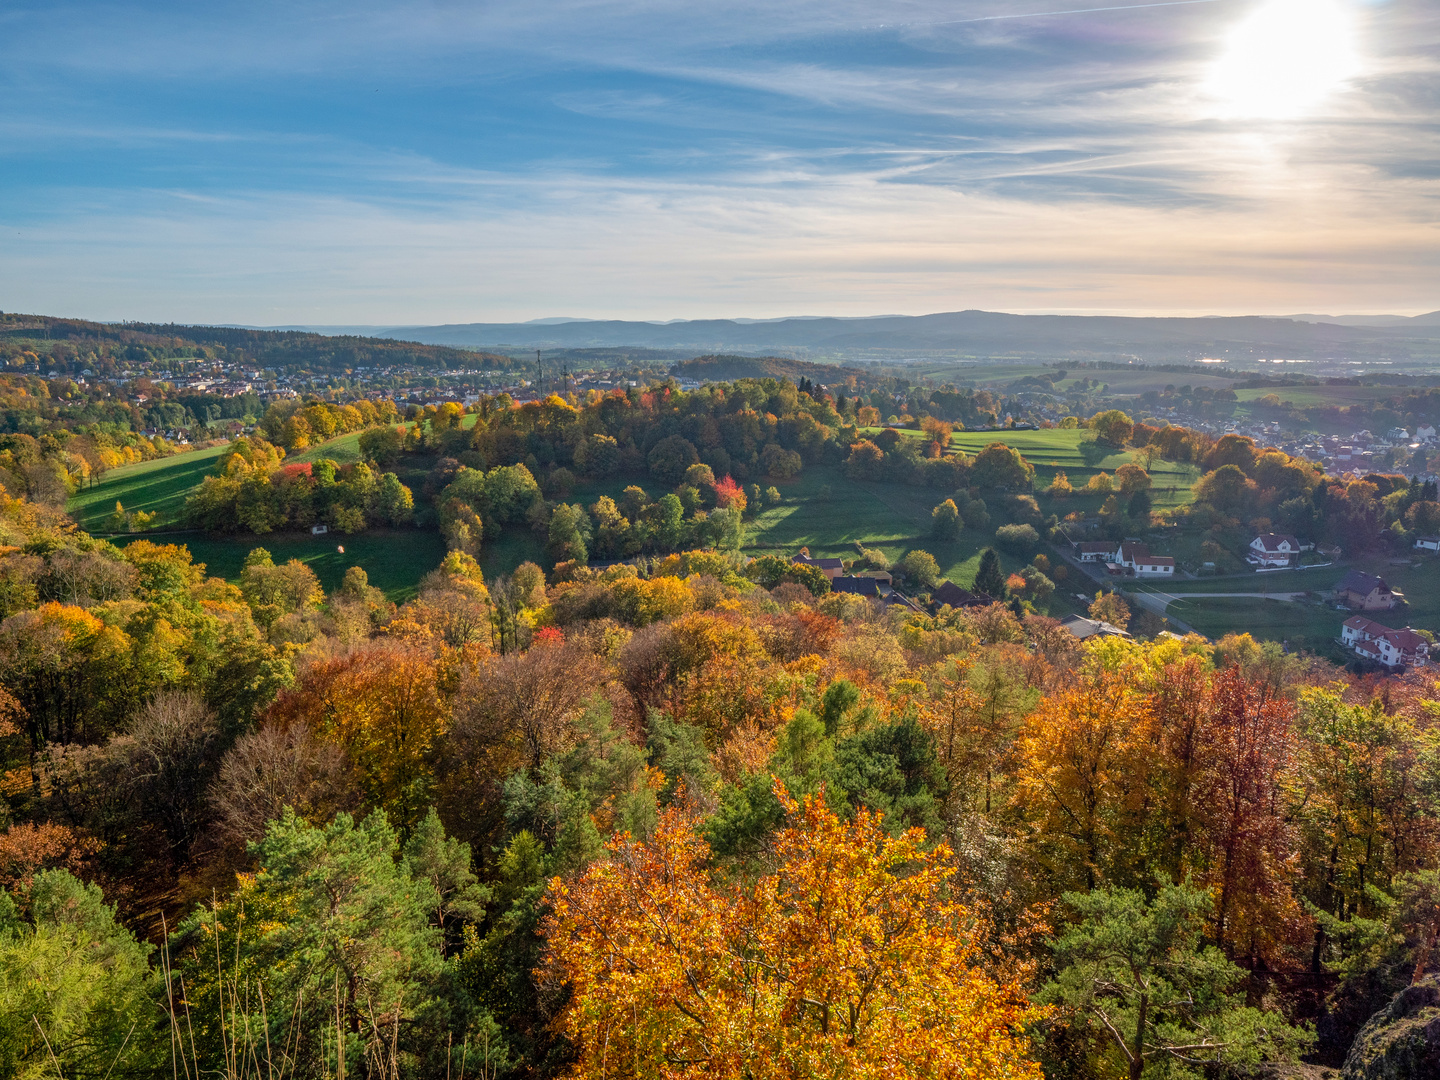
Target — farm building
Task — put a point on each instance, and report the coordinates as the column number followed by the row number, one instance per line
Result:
column 831, row 568
column 1096, row 550
column 947, row 592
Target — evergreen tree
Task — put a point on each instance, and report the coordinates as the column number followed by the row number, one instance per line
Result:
column 1153, row 996
column 990, row 579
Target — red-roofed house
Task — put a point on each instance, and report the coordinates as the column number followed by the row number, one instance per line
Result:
column 1375, row 641
column 1136, row 557
column 1273, row 549
column 1096, row 550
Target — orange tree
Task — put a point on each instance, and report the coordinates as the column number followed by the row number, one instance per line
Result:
column 850, row 959
column 383, row 706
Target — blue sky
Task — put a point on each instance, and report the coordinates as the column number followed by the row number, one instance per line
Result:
column 361, row 162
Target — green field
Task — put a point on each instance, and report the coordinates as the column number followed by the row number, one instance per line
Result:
column 1308, row 623
column 1306, row 396
column 1299, row 624
column 394, row 559
column 1076, row 453
column 822, row 509
column 894, row 519
column 160, row 486
column 155, row 487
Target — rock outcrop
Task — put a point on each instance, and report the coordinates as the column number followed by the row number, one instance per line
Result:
column 1401, row 1041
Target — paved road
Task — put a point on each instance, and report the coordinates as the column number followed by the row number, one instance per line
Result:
column 1096, row 573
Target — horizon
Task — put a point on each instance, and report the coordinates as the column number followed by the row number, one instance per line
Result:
column 558, row 320
column 394, row 165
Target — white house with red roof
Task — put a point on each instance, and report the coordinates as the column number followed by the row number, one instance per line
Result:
column 1273, row 549
column 1136, row 558
column 1376, row 641
column 1096, row 550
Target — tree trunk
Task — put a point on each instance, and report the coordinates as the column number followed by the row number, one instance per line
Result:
column 1137, row 1057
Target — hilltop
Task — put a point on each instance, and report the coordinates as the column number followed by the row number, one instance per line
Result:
column 274, row 349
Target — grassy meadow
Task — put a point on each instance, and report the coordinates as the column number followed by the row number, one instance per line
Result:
column 1307, row 624
column 154, row 487
column 394, row 559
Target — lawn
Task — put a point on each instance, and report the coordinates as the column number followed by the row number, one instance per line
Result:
column 155, row 487
column 1310, row 623
column 160, row 486
column 896, row 520
column 394, row 559
column 1300, row 625
column 1077, row 454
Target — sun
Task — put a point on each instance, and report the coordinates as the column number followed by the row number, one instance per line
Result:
column 1285, row 59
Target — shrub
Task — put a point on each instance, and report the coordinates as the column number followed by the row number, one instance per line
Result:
column 1017, row 538
column 920, row 568
column 945, row 521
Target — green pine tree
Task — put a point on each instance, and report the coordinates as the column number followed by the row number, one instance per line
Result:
column 990, row 578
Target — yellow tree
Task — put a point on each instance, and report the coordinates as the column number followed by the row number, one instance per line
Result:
column 382, row 705
column 851, row 959
column 1083, row 778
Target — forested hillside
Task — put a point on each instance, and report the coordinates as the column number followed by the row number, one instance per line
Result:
column 680, row 817
column 104, row 347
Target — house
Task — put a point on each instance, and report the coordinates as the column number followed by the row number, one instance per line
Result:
column 1084, row 628
column 1428, row 543
column 1096, row 550
column 882, row 576
column 856, row 586
column 1425, row 433
column 948, row 593
column 1366, row 592
column 1375, row 641
column 1397, row 435
column 1136, row 558
column 831, row 568
column 1273, row 549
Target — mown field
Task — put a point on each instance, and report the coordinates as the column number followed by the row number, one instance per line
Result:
column 154, row 487
column 1312, row 625
column 161, row 486
column 1079, row 456
column 394, row 559
column 1307, row 396
column 1299, row 625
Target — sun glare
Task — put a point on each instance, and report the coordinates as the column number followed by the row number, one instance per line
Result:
column 1284, row 59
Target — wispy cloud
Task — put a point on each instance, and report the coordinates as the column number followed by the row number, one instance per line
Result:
column 271, row 162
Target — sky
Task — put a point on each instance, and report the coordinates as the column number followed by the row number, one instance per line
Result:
column 353, row 162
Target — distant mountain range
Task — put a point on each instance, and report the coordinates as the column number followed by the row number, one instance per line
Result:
column 1432, row 319
column 969, row 333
